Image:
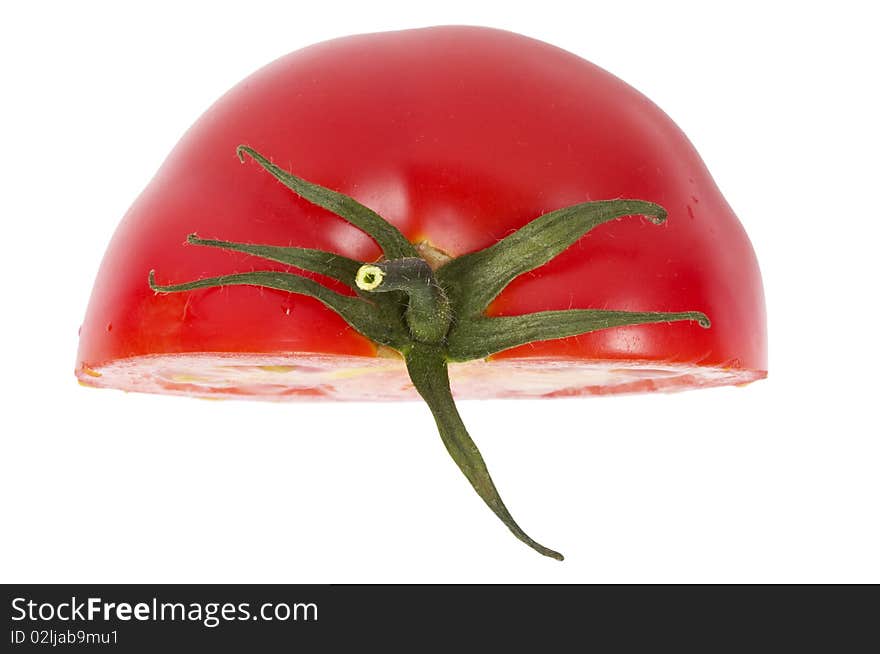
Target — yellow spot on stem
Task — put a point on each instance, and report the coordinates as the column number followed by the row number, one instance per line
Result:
column 369, row 277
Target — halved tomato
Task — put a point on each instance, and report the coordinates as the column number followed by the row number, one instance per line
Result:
column 540, row 228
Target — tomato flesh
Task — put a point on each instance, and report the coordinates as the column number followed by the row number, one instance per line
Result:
column 306, row 376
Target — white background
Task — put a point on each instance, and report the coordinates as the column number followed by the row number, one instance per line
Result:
column 776, row 482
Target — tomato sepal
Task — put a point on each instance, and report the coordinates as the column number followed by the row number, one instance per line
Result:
column 332, row 265
column 474, row 280
column 361, row 314
column 485, row 336
column 386, row 235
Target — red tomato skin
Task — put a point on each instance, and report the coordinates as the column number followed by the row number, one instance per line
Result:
column 458, row 135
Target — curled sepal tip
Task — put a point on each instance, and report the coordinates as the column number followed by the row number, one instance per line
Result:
column 386, row 235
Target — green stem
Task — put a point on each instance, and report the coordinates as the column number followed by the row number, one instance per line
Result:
column 428, row 313
column 428, row 371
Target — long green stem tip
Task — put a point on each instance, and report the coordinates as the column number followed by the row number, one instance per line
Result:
column 428, row 371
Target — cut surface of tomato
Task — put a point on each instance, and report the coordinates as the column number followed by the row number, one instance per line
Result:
column 309, row 376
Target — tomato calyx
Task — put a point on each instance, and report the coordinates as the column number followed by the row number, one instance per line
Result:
column 428, row 313
column 433, row 317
